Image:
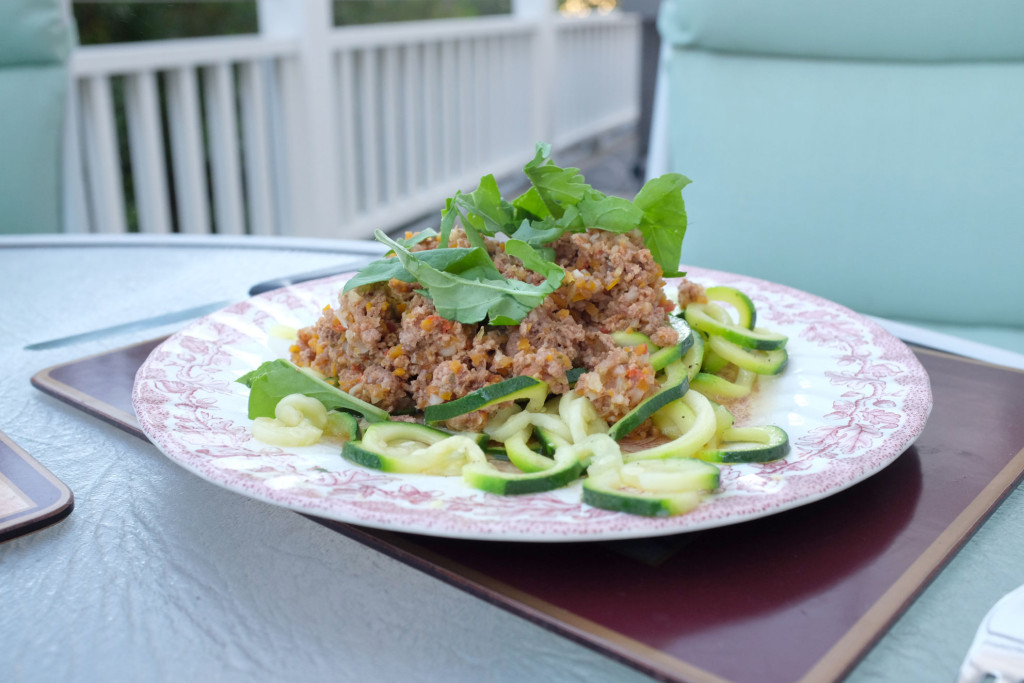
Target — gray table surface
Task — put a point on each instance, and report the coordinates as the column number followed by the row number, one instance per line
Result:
column 158, row 575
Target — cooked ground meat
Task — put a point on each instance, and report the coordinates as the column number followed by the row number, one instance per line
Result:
column 622, row 379
column 386, row 344
column 691, row 293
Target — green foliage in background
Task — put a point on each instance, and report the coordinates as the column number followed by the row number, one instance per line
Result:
column 120, row 21
column 125, row 22
column 349, row 12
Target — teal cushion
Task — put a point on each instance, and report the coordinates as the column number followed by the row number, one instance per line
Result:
column 35, row 40
column 33, row 32
column 928, row 30
column 31, row 119
column 893, row 188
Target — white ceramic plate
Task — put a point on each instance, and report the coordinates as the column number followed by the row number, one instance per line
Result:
column 852, row 399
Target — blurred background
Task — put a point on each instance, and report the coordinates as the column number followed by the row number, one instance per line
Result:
column 871, row 152
column 334, row 118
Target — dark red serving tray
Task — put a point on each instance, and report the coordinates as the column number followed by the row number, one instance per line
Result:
column 31, row 497
column 799, row 595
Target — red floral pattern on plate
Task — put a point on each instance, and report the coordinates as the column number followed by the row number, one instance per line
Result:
column 852, row 399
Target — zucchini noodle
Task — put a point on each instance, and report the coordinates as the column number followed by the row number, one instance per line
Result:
column 549, row 441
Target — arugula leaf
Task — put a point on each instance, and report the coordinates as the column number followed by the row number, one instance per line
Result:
column 380, row 270
column 556, row 187
column 275, row 379
column 467, row 286
column 664, row 219
column 484, row 209
column 564, row 190
column 473, row 289
column 451, row 212
column 420, row 236
column 613, row 214
column 389, row 267
column 539, row 233
column 448, row 217
column 532, row 260
column 531, row 203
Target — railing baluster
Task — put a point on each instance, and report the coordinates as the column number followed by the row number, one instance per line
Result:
column 411, row 113
column 421, row 107
column 146, row 147
column 389, row 139
column 370, row 147
column 255, row 136
column 433, row 165
column 347, row 103
column 466, row 107
column 187, row 153
column 106, row 193
column 225, row 168
column 485, row 65
column 449, row 111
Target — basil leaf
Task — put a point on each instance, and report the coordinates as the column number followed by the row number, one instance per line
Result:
column 664, row 219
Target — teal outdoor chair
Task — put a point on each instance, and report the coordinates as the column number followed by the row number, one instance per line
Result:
column 869, row 152
column 35, row 40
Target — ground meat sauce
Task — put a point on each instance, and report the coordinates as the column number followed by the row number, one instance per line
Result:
column 386, row 344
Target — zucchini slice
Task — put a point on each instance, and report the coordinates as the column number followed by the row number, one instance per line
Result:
column 631, row 338
column 668, row 354
column 646, row 408
column 525, row 458
column 565, row 468
column 653, row 488
column 770, row 362
column 659, row 356
column 580, row 417
column 713, row 363
column 512, row 389
column 299, row 420
column 692, row 440
column 746, row 313
column 693, row 359
column 341, row 424
column 410, row 448
column 720, row 389
column 548, row 440
column 700, row 316
column 670, row 475
column 748, row 444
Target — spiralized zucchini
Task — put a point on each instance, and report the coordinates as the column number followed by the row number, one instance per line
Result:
column 298, row 421
column 544, row 445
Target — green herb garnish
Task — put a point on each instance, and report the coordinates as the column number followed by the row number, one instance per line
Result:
column 275, row 379
column 473, row 289
column 466, row 286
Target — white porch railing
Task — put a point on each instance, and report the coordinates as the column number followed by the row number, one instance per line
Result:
column 310, row 130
